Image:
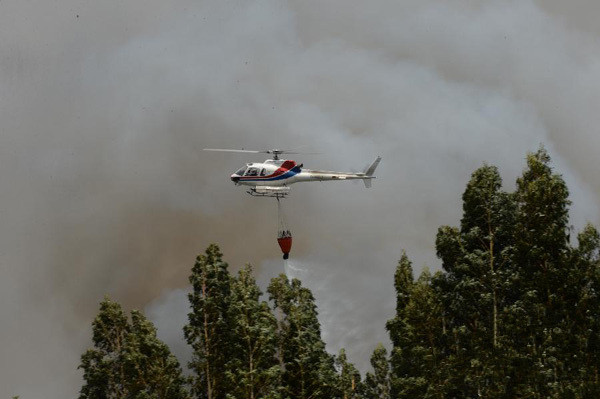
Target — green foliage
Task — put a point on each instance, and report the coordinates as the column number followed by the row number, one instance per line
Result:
column 308, row 370
column 349, row 385
column 476, row 258
column 377, row 384
column 538, row 314
column 515, row 312
column 253, row 370
column 128, row 360
column 242, row 350
column 416, row 334
column 209, row 330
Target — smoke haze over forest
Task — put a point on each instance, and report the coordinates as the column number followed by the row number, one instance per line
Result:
column 105, row 107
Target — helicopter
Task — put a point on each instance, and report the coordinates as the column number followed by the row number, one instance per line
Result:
column 272, row 177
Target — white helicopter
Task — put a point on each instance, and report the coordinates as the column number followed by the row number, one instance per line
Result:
column 272, row 177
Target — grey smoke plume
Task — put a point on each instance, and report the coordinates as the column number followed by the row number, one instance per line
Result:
column 105, row 106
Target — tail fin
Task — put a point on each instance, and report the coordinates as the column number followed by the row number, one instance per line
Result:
column 371, row 169
column 369, row 172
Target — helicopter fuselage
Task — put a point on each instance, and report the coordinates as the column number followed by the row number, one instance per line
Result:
column 273, row 177
column 276, row 173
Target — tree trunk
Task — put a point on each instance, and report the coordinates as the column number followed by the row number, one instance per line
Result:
column 206, row 345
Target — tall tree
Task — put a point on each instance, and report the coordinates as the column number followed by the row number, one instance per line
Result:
column 515, row 311
column 155, row 372
column 377, row 384
column 349, row 377
column 253, row 369
column 209, row 325
column 416, row 333
column 540, row 265
column 128, row 360
column 400, row 329
column 487, row 239
column 476, row 259
column 103, row 366
column 586, row 323
column 308, row 370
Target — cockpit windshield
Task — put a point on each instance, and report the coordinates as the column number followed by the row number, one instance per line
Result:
column 241, row 171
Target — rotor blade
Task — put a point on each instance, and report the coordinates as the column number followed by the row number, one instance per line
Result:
column 228, row 150
column 296, row 152
column 275, row 152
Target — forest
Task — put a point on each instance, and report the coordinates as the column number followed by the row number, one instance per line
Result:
column 513, row 313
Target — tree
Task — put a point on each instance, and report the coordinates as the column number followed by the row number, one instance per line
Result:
column 377, row 384
column 476, row 258
column 400, row 329
column 209, row 328
column 580, row 350
column 349, row 377
column 128, row 360
column 540, row 266
column 155, row 371
column 253, row 370
column 416, row 333
column 103, row 367
column 307, row 369
column 519, row 304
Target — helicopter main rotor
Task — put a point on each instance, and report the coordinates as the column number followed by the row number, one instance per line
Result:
column 274, row 152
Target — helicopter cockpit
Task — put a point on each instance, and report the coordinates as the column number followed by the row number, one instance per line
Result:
column 235, row 177
column 261, row 169
column 241, row 171
column 250, row 170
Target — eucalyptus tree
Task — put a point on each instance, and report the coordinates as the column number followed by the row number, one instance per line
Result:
column 377, row 383
column 308, row 371
column 541, row 267
column 209, row 329
column 253, row 369
column 349, row 384
column 128, row 360
column 417, row 334
column 475, row 287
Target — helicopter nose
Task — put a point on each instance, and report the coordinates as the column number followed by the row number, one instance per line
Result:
column 235, row 178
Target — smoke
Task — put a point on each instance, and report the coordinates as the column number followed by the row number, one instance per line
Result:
column 105, row 108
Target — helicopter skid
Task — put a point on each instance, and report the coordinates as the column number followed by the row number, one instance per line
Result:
column 272, row 192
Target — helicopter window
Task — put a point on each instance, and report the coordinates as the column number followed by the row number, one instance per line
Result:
column 252, row 172
column 241, row 171
column 263, row 172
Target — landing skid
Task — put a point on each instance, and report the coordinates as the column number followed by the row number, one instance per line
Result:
column 253, row 193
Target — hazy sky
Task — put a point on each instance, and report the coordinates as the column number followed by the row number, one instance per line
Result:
column 106, row 105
